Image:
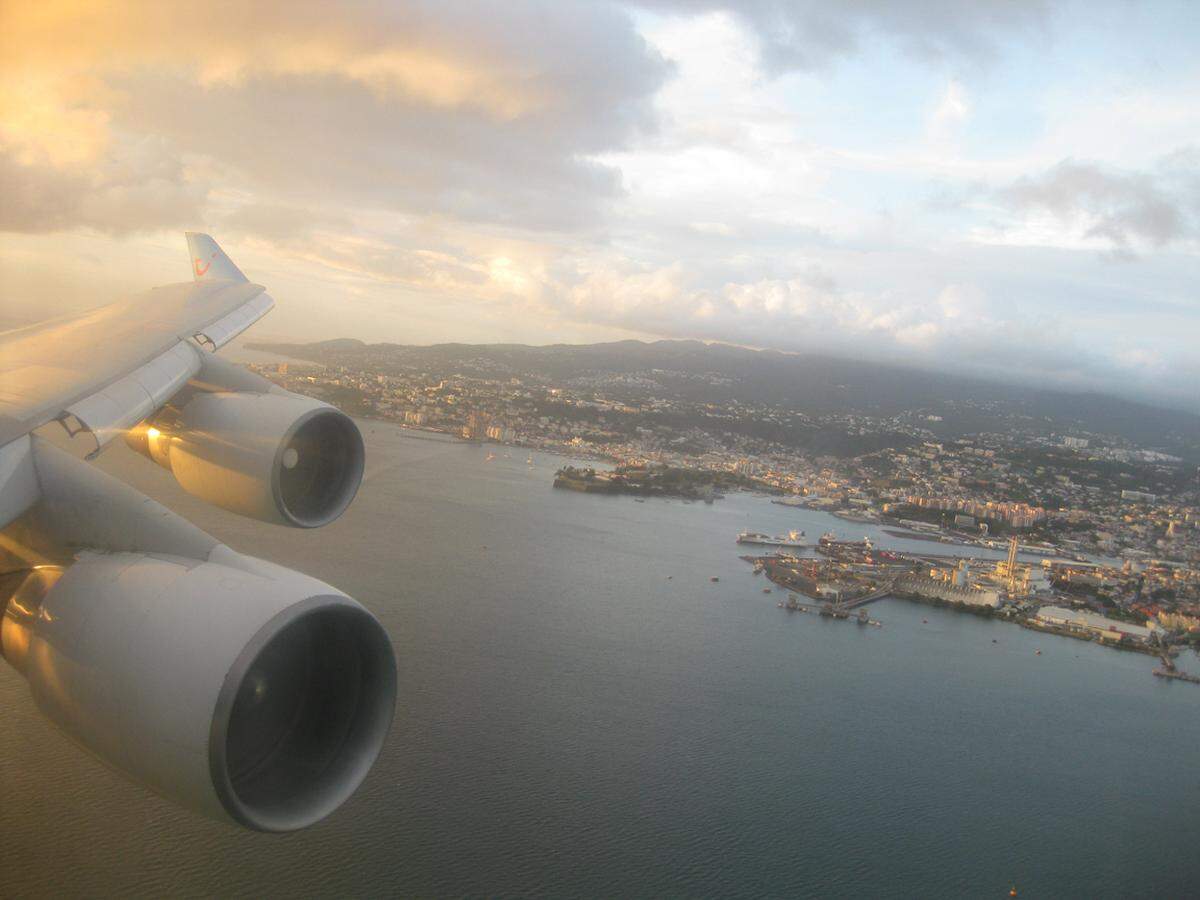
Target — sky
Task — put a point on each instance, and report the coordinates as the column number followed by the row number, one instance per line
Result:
column 1005, row 188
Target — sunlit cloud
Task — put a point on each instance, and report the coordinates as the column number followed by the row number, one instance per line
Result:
column 398, row 52
column 942, row 186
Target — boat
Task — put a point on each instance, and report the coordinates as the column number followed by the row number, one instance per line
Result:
column 791, row 539
column 714, row 578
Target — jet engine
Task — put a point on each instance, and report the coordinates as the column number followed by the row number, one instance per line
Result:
column 277, row 457
column 238, row 689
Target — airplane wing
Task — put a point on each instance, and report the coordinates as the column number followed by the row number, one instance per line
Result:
column 111, row 367
column 234, row 687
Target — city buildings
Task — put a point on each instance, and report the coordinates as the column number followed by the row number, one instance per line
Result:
column 1096, row 625
column 1135, row 508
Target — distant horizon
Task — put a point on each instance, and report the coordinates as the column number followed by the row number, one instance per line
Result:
column 264, row 343
column 600, row 448
column 938, row 186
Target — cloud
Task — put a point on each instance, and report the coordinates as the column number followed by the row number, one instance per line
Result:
column 963, row 326
column 950, row 115
column 426, row 108
column 141, row 187
column 715, row 228
column 809, row 311
column 1128, row 210
column 428, row 171
column 280, row 223
column 812, row 34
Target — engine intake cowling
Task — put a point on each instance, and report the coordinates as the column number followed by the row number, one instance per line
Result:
column 276, row 457
column 258, row 694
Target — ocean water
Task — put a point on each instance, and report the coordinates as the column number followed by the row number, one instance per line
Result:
column 583, row 712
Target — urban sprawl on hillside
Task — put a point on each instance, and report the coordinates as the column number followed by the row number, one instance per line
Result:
column 1118, row 524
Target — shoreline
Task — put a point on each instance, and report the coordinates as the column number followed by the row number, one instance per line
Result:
column 1146, row 649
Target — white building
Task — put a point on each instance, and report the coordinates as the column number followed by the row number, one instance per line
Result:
column 1110, row 629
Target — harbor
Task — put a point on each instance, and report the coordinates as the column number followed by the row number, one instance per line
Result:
column 835, row 577
column 830, row 610
column 615, row 660
column 1168, row 671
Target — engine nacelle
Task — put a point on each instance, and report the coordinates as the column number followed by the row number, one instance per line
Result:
column 250, row 693
column 276, row 457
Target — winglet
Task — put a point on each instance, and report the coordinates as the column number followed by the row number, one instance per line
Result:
column 209, row 261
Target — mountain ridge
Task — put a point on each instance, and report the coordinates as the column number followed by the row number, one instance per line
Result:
column 808, row 382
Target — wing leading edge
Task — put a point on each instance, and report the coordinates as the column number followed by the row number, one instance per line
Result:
column 110, row 367
column 239, row 689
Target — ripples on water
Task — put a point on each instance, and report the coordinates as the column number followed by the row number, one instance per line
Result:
column 574, row 722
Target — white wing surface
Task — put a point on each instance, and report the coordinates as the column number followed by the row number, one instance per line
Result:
column 240, row 690
column 111, row 367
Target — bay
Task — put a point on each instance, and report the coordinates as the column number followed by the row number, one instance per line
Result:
column 584, row 712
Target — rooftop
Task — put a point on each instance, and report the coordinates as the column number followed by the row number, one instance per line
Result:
column 1092, row 620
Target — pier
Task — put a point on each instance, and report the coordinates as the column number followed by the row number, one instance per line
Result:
column 830, row 611
column 884, row 591
column 1175, row 674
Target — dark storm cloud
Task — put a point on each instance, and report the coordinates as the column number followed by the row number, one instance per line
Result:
column 809, row 34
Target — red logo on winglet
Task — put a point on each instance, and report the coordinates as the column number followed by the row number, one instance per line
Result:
column 200, row 267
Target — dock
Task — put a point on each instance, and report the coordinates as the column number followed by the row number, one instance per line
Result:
column 1176, row 675
column 884, row 591
column 828, row 610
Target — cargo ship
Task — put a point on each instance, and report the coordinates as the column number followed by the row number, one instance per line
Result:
column 791, row 539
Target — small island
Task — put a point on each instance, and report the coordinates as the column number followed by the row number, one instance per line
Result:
column 658, row 481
